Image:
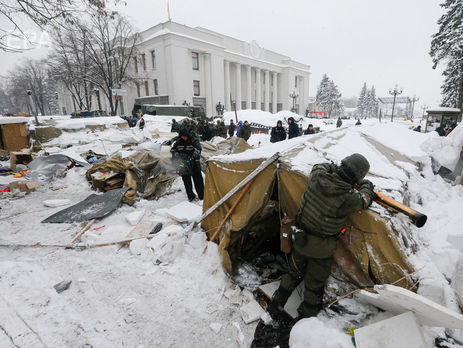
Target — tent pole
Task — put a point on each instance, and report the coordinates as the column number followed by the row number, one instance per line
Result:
column 251, row 176
column 245, row 189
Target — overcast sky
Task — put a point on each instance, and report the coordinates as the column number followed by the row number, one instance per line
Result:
column 382, row 43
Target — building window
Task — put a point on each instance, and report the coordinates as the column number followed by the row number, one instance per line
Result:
column 295, row 81
column 147, row 90
column 143, row 61
column 138, row 89
column 196, row 90
column 135, row 64
column 271, row 80
column 263, row 79
column 156, row 92
column 195, row 60
column 153, row 59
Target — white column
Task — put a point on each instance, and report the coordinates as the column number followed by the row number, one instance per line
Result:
column 227, row 86
column 238, row 86
column 275, row 89
column 259, row 89
column 249, row 87
column 267, row 90
column 207, row 81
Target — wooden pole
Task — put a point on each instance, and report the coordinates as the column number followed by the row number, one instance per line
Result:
column 76, row 238
column 417, row 218
column 240, row 197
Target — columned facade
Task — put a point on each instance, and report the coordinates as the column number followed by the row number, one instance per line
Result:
column 200, row 67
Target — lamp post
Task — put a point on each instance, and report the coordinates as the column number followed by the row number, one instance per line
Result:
column 424, row 107
column 31, row 102
column 294, row 95
column 97, row 92
column 414, row 99
column 394, row 91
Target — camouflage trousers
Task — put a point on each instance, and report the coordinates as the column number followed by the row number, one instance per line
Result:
column 314, row 272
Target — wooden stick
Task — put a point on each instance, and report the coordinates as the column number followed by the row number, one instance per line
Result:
column 76, row 238
column 243, row 192
column 251, row 176
column 75, row 246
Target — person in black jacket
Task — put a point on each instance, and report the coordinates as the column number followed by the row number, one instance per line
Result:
column 245, row 131
column 293, row 129
column 278, row 133
column 339, row 122
column 309, row 130
column 231, row 129
column 186, row 154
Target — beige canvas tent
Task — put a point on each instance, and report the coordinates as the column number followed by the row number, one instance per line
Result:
column 368, row 253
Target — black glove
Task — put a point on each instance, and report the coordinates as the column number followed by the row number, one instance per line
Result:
column 367, row 184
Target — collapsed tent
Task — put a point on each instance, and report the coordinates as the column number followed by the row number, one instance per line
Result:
column 368, row 253
column 149, row 173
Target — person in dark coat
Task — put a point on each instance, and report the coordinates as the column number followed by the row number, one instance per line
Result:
column 278, row 133
column 245, row 131
column 329, row 198
column 231, row 129
column 339, row 122
column 309, row 130
column 440, row 130
column 221, row 129
column 175, row 126
column 186, row 154
column 358, row 123
column 293, row 129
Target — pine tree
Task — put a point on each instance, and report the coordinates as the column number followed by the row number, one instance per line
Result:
column 328, row 97
column 371, row 103
column 362, row 101
column 449, row 88
column 447, row 47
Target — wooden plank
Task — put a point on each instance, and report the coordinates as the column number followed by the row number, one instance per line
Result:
column 230, row 193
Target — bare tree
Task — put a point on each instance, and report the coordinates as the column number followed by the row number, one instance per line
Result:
column 111, row 45
column 70, row 64
column 42, row 13
column 32, row 76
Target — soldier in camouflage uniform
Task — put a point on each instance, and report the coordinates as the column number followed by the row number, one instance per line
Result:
column 329, row 198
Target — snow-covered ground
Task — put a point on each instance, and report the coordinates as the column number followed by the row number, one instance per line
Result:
column 175, row 294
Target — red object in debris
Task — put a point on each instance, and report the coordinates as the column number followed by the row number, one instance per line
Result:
column 5, row 190
column 98, row 228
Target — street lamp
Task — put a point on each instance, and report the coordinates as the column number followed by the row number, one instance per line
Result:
column 97, row 92
column 424, row 107
column 414, row 99
column 394, row 91
column 294, row 95
column 31, row 102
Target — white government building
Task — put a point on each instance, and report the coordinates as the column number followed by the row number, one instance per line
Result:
column 177, row 64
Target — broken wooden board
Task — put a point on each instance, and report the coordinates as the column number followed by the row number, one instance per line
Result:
column 398, row 300
column 399, row 331
column 18, row 331
column 143, row 228
column 294, row 300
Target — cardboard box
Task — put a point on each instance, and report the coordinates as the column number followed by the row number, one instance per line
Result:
column 24, row 186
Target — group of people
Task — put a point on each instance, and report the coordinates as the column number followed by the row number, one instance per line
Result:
column 278, row 133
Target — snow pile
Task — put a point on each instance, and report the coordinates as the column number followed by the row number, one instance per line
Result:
column 445, row 150
column 314, row 333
